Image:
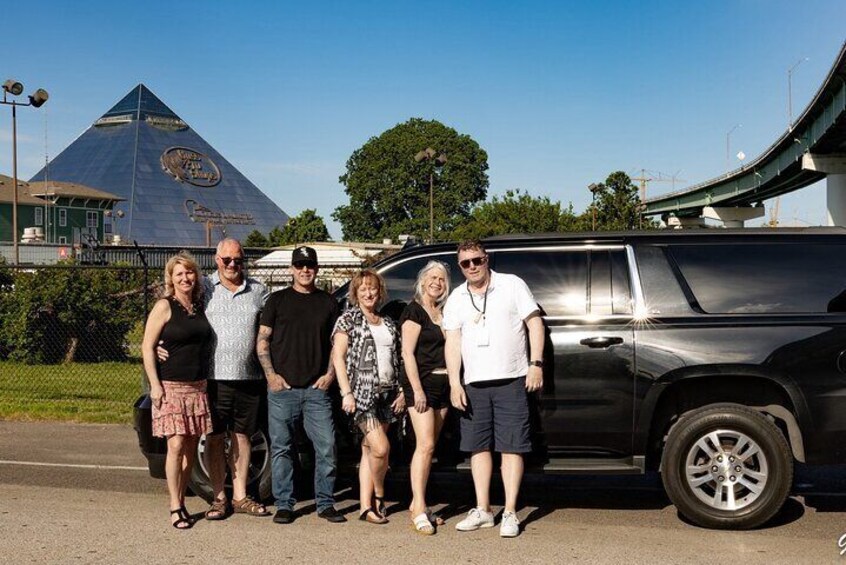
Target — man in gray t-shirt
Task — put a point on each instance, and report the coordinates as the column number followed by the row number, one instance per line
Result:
column 236, row 384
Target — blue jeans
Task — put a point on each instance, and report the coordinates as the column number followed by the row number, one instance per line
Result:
column 285, row 409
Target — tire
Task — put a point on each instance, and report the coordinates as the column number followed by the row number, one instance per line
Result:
column 259, row 477
column 726, row 466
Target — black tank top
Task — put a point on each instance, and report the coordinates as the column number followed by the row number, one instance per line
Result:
column 187, row 338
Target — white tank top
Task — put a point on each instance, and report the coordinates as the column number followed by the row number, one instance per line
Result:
column 384, row 344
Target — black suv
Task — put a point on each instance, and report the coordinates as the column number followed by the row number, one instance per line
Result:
column 714, row 356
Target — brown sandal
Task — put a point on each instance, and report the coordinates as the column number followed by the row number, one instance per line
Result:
column 249, row 506
column 218, row 510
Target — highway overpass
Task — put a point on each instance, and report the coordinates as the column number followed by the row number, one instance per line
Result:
column 812, row 149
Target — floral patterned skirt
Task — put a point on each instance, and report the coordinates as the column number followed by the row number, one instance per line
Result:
column 184, row 410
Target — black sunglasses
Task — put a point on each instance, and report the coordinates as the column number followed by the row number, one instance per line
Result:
column 299, row 265
column 475, row 261
column 237, row 260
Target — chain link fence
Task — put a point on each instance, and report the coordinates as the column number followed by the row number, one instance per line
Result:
column 70, row 336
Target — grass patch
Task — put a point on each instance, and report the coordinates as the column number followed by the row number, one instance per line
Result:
column 76, row 392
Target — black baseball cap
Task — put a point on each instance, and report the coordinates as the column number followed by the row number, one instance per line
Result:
column 303, row 254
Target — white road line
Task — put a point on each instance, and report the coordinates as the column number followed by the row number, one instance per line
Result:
column 74, row 466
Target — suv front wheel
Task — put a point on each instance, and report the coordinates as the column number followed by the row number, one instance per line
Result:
column 258, row 476
column 727, row 466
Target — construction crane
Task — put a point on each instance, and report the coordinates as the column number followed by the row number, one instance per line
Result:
column 647, row 176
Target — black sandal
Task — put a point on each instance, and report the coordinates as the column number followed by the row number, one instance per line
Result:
column 366, row 516
column 381, row 509
column 187, row 515
column 184, row 522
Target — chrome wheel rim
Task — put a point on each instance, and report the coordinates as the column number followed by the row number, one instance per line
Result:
column 726, row 469
column 259, row 456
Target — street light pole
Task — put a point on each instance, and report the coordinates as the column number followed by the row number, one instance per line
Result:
column 790, row 92
column 14, row 180
column 728, row 146
column 36, row 100
column 431, row 206
column 439, row 160
column 593, row 188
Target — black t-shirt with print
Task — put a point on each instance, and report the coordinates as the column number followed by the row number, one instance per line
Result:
column 302, row 327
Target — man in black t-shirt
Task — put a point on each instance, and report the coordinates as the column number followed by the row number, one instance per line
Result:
column 293, row 347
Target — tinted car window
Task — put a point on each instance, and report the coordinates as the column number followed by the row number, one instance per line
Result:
column 609, row 283
column 760, row 278
column 661, row 290
column 557, row 279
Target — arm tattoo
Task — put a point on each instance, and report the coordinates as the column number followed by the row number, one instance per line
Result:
column 263, row 350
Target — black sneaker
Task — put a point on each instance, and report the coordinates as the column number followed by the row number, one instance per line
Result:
column 332, row 515
column 284, row 516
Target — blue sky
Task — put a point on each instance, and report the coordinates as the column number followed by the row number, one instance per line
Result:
column 558, row 93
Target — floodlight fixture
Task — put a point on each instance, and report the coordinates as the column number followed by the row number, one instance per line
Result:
column 38, row 99
column 13, row 87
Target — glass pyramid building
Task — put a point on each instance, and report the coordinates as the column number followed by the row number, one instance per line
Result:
column 179, row 190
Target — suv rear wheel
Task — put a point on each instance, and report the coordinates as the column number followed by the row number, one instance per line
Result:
column 727, row 466
column 258, row 477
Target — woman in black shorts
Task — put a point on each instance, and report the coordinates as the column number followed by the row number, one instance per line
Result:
column 424, row 381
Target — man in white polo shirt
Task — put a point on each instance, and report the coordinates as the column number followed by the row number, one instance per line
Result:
column 486, row 320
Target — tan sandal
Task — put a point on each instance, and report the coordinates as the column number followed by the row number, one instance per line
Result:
column 218, row 510
column 249, row 506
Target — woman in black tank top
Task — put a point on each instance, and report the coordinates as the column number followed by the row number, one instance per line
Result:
column 425, row 382
column 178, row 385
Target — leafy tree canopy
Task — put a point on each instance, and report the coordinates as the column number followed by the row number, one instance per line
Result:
column 307, row 226
column 50, row 315
column 256, row 239
column 389, row 190
column 618, row 204
column 519, row 212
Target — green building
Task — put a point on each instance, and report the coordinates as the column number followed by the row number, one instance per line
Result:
column 57, row 212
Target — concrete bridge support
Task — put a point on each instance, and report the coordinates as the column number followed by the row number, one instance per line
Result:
column 834, row 166
column 835, row 199
column 733, row 217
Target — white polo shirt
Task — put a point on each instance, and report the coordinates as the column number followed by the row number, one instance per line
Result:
column 493, row 346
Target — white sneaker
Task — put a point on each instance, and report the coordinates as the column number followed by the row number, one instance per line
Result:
column 509, row 527
column 476, row 518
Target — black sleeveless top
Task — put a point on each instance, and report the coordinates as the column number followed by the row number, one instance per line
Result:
column 429, row 352
column 187, row 338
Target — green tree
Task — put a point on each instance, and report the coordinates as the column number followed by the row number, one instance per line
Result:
column 518, row 212
column 69, row 313
column 306, row 226
column 389, row 190
column 618, row 204
column 256, row 239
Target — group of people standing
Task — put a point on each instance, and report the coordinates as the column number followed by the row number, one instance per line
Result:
column 466, row 349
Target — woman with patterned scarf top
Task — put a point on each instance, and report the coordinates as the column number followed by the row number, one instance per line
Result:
column 366, row 355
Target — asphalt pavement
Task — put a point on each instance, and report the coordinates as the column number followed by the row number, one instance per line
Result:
column 80, row 493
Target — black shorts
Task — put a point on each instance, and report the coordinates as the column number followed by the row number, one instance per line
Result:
column 435, row 387
column 235, row 405
column 497, row 417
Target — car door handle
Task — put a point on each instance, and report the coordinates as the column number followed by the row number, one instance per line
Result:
column 601, row 342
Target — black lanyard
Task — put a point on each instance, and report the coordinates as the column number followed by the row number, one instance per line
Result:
column 484, row 300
